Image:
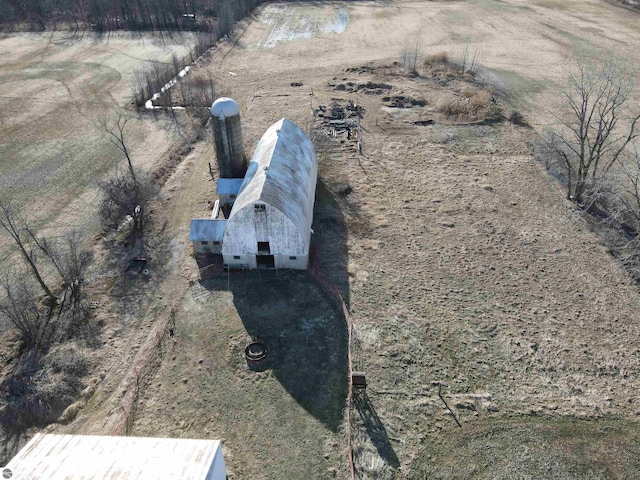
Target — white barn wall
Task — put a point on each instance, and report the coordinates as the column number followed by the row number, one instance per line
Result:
column 206, row 246
column 218, row 469
column 250, row 226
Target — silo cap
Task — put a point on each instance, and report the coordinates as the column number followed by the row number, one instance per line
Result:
column 224, row 107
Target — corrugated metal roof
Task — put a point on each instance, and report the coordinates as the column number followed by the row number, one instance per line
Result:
column 282, row 173
column 207, row 230
column 228, row 186
column 84, row 457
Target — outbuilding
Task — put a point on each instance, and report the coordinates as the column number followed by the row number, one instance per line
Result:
column 270, row 223
column 81, row 457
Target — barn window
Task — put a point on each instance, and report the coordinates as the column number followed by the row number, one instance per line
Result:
column 236, row 257
column 216, row 243
column 293, row 258
column 260, row 207
column 264, row 247
column 205, row 243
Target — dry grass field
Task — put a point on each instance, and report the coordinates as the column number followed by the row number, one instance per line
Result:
column 464, row 270
column 54, row 87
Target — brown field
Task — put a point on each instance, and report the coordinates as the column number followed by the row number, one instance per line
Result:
column 53, row 89
column 460, row 262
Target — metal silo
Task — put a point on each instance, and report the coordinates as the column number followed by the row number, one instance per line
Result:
column 227, row 131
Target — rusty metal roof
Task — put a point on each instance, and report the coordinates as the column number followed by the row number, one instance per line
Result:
column 282, row 173
column 84, row 457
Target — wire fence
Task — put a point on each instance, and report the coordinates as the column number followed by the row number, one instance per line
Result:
column 334, row 294
column 142, row 370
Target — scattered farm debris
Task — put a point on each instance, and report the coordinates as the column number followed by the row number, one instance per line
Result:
column 360, row 70
column 423, row 123
column 369, row 88
column 340, row 122
column 404, row 101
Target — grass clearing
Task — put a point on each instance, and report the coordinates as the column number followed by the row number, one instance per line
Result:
column 292, row 408
column 543, row 447
column 460, row 266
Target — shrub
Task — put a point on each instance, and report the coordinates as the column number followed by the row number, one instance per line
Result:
column 436, row 58
column 471, row 104
column 39, row 390
column 68, row 360
column 516, row 118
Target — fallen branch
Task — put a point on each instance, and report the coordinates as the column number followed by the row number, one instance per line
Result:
column 445, row 404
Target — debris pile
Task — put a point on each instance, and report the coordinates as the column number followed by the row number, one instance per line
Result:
column 369, row 88
column 404, row 101
column 340, row 122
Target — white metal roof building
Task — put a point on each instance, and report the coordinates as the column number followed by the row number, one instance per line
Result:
column 269, row 225
column 270, row 222
column 227, row 190
column 206, row 235
column 86, row 457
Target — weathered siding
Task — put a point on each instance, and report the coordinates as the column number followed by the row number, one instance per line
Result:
column 227, row 190
column 282, row 173
column 299, row 262
column 207, row 247
column 250, row 226
column 206, row 235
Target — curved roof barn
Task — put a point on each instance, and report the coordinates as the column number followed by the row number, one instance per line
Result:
column 282, row 174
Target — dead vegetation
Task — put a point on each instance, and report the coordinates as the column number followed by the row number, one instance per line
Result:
column 470, row 104
column 595, row 153
column 38, row 390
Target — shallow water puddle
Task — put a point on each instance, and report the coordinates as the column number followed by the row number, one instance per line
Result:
column 287, row 23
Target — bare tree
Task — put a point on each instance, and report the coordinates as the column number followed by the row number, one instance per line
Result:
column 124, row 194
column 41, row 324
column 630, row 189
column 15, row 224
column 115, row 132
column 20, row 307
column 595, row 134
column 410, row 53
column 71, row 260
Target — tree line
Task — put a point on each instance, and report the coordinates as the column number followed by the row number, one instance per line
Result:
column 595, row 149
column 108, row 15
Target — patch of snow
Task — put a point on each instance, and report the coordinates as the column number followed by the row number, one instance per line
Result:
column 295, row 23
column 149, row 103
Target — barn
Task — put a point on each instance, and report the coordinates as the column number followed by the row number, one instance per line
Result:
column 76, row 457
column 270, row 223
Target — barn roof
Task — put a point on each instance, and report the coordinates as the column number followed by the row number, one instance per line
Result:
column 207, row 230
column 228, row 186
column 282, row 173
column 76, row 457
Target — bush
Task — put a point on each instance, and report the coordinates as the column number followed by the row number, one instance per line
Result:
column 68, row 360
column 471, row 104
column 121, row 194
column 437, row 58
column 516, row 118
column 38, row 391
